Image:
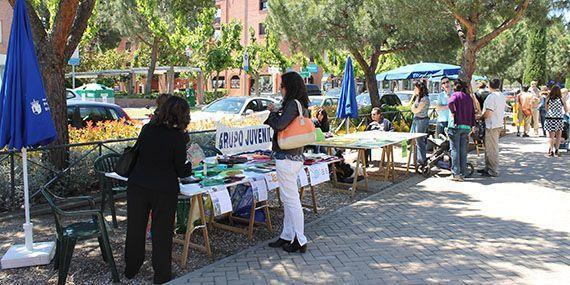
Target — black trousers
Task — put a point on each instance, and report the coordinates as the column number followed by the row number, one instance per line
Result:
column 140, row 202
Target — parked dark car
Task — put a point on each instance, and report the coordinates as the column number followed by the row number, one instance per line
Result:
column 81, row 112
column 389, row 99
column 313, row 90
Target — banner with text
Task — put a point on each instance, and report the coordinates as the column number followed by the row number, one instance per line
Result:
column 235, row 140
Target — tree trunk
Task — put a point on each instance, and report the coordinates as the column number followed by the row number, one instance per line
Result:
column 54, row 84
column 372, row 86
column 216, row 83
column 152, row 66
column 468, row 66
column 257, row 87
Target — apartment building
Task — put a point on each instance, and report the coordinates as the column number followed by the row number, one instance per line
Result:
column 5, row 25
column 252, row 14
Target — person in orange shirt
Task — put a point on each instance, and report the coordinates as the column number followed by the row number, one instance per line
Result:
column 525, row 101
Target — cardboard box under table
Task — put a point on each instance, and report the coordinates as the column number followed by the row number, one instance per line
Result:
column 362, row 141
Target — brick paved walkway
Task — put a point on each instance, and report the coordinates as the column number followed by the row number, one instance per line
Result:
column 514, row 229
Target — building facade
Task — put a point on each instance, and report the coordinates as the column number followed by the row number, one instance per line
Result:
column 5, row 25
column 251, row 14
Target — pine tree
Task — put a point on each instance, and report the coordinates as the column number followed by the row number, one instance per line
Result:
column 535, row 68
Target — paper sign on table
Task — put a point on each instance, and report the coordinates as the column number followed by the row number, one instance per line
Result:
column 221, row 201
column 302, row 179
column 195, row 154
column 319, row 173
column 271, row 179
column 259, row 189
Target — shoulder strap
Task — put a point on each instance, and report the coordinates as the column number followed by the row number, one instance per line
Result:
column 300, row 108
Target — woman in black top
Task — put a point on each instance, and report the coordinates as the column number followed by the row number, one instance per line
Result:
column 289, row 162
column 153, row 188
column 322, row 121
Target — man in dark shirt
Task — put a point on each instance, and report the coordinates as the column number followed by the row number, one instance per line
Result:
column 379, row 123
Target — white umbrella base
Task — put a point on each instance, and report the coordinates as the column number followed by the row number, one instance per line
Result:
column 19, row 256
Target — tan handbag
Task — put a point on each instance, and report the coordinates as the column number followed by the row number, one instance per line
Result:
column 299, row 133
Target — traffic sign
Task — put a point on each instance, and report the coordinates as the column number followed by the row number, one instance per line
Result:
column 74, row 60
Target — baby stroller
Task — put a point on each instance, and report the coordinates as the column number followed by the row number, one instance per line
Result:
column 565, row 141
column 441, row 157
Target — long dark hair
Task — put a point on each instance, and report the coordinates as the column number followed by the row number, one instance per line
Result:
column 554, row 93
column 460, row 86
column 295, row 88
column 174, row 113
column 423, row 89
column 325, row 122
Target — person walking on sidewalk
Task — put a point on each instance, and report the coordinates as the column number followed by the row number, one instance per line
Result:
column 526, row 108
column 420, row 108
column 554, row 120
column 493, row 114
column 289, row 162
column 462, row 120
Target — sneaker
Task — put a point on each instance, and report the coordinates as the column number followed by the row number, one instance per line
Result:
column 525, row 136
column 456, row 178
column 487, row 174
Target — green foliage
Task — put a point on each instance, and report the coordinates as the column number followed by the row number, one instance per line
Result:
column 535, row 68
column 97, row 60
column 210, row 96
column 213, row 54
column 558, row 51
column 503, row 57
column 366, row 29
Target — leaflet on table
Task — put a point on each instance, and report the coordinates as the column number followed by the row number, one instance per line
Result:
column 259, row 188
column 191, row 189
column 272, row 181
column 221, row 201
column 302, row 178
column 319, row 173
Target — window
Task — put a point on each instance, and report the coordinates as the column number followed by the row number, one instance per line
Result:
column 264, row 104
column 252, row 105
column 219, row 82
column 234, row 82
column 263, row 5
column 261, row 29
column 94, row 114
column 218, row 16
column 128, row 46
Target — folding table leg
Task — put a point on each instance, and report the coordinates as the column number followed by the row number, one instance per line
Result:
column 251, row 220
column 267, row 217
column 205, row 228
column 314, row 198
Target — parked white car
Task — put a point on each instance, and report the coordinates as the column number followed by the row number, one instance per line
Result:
column 229, row 107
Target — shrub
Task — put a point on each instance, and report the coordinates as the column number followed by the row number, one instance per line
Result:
column 102, row 131
column 210, row 96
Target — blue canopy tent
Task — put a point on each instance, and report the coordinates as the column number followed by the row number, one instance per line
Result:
column 347, row 107
column 419, row 70
column 25, row 121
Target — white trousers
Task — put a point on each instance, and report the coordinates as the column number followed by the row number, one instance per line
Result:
column 293, row 221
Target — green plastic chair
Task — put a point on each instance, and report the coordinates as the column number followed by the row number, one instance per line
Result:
column 68, row 235
column 109, row 187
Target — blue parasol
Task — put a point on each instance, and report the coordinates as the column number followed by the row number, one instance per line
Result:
column 25, row 118
column 419, row 70
column 347, row 107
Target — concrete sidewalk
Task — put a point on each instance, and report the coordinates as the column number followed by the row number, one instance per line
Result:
column 514, row 229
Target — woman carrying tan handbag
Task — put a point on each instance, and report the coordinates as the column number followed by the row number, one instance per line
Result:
column 291, row 130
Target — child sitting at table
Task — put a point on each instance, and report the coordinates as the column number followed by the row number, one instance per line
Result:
column 379, row 123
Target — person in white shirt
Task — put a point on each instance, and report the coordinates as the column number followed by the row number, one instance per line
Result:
column 493, row 114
